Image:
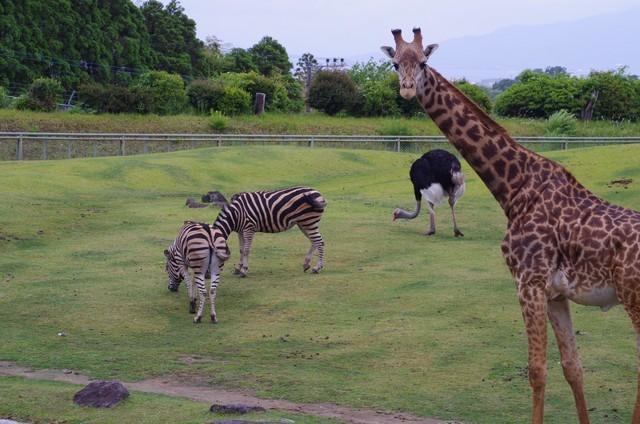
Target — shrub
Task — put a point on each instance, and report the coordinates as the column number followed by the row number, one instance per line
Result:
column 44, row 95
column 204, row 95
column 234, row 101
column 538, row 95
column 4, row 98
column 396, row 127
column 160, row 92
column 332, row 92
column 561, row 123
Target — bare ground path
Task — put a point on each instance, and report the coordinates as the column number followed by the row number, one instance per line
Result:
column 171, row 387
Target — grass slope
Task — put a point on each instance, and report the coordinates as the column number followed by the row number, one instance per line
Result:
column 396, row 321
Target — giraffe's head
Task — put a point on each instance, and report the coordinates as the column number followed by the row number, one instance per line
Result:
column 409, row 60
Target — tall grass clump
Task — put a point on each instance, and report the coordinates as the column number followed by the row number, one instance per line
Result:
column 219, row 121
column 561, row 123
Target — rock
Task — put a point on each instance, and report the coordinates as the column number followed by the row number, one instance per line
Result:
column 101, row 394
column 236, row 408
column 191, row 202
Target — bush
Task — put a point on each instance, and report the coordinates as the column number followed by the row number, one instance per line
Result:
column 538, row 95
column 332, row 92
column 234, row 101
column 44, row 95
column 204, row 95
column 160, row 92
column 107, row 98
column 561, row 123
column 618, row 95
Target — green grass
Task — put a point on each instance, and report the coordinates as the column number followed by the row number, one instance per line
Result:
column 396, row 321
column 270, row 123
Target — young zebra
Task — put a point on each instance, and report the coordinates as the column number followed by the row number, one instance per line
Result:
column 203, row 249
column 273, row 212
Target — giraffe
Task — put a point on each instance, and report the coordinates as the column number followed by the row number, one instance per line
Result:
column 562, row 242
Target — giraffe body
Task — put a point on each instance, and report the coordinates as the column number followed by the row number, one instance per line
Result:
column 562, row 242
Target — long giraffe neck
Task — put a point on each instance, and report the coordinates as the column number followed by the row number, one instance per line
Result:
column 497, row 159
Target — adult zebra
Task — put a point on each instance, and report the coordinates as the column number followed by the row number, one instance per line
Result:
column 274, row 212
column 202, row 248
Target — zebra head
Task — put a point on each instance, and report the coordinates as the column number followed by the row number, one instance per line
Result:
column 173, row 270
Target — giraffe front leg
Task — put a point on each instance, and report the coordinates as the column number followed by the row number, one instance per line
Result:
column 629, row 300
column 533, row 303
column 560, row 318
column 201, row 297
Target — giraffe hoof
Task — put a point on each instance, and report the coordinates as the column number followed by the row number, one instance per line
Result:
column 458, row 233
column 430, row 233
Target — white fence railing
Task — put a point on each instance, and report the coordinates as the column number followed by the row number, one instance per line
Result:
column 43, row 146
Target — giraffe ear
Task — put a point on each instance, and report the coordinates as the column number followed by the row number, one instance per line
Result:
column 389, row 51
column 428, row 51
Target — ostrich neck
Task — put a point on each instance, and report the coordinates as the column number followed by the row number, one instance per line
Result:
column 490, row 151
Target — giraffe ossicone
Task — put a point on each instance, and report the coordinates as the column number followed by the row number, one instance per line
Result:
column 562, row 243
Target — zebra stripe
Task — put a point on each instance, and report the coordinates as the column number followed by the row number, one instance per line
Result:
column 194, row 248
column 274, row 212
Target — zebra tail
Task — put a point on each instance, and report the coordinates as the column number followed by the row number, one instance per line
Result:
column 318, row 203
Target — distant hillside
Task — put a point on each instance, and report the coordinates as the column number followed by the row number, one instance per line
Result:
column 602, row 42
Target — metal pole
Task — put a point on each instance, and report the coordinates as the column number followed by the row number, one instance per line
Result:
column 19, row 148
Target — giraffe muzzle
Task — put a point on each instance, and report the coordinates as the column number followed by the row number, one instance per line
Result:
column 408, row 93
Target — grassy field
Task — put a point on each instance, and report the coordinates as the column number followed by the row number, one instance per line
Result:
column 396, row 321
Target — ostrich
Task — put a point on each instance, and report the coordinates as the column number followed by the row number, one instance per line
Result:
column 435, row 175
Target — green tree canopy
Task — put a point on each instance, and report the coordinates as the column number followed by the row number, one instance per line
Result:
column 270, row 57
column 173, row 38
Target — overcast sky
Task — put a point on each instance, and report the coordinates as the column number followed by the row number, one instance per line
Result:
column 347, row 28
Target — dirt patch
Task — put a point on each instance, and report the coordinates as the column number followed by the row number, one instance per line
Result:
column 171, row 387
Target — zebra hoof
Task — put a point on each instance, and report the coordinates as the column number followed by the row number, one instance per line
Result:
column 197, row 320
column 192, row 307
column 214, row 319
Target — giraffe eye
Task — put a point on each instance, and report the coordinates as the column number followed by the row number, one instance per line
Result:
column 395, row 66
column 423, row 65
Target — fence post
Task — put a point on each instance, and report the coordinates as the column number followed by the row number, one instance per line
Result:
column 45, row 149
column 398, row 144
column 19, row 148
column 121, row 150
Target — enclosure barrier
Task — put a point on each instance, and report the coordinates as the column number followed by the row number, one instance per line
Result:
column 45, row 146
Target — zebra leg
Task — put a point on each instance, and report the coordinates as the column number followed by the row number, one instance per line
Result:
column 215, row 279
column 317, row 243
column 202, row 291
column 456, row 230
column 320, row 264
column 191, row 292
column 245, row 247
column 432, row 220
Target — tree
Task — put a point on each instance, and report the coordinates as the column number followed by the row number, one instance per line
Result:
column 306, row 66
column 475, row 93
column 238, row 60
column 377, row 90
column 270, row 57
column 332, row 92
column 204, row 95
column 618, row 95
column 173, row 38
